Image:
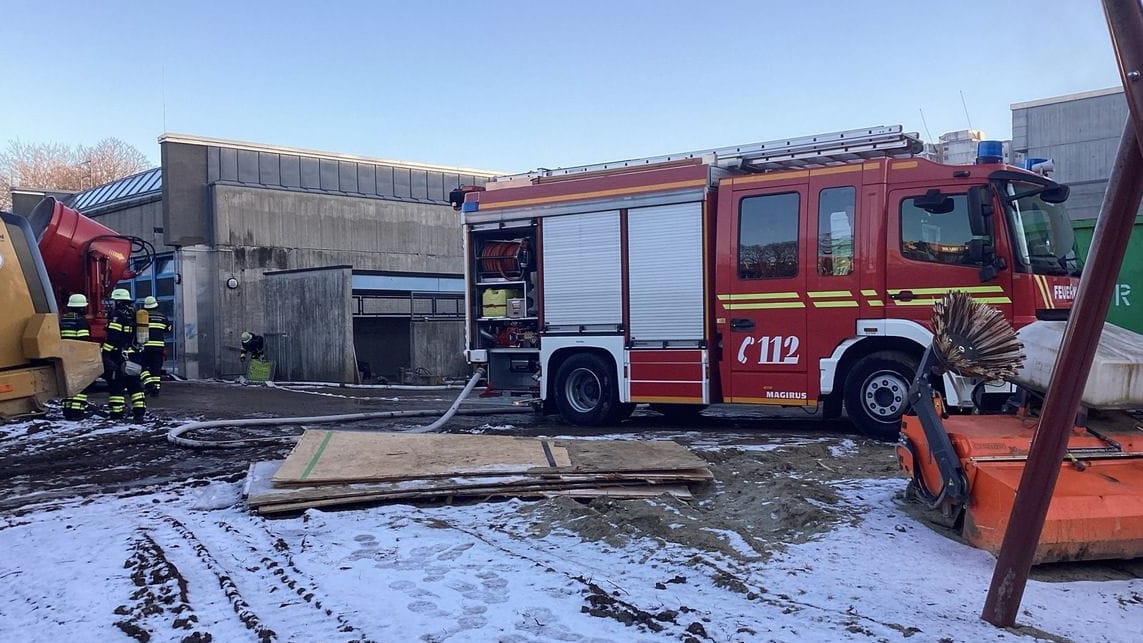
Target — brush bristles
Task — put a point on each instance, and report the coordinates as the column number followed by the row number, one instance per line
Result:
column 974, row 339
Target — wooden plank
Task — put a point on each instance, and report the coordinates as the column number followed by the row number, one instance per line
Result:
column 339, row 456
column 625, row 492
column 354, row 456
column 260, row 489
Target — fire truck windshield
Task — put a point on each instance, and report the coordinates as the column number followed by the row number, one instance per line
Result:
column 1043, row 239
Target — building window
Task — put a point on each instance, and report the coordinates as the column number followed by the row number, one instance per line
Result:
column 157, row 280
column 835, row 231
column 768, row 236
column 936, row 238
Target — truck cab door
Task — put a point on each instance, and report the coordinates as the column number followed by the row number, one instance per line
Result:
column 761, row 308
column 932, row 249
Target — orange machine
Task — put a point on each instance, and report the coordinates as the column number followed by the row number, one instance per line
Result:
column 967, row 468
column 1097, row 508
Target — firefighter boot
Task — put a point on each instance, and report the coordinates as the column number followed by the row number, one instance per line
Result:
column 138, row 406
column 116, row 407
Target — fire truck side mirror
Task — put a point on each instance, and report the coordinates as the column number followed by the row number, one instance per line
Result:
column 1055, row 194
column 456, row 198
column 934, row 202
column 980, row 210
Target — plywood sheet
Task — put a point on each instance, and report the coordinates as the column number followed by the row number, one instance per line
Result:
column 340, row 456
column 322, row 457
column 629, row 455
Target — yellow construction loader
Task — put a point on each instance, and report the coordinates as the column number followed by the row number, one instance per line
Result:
column 36, row 365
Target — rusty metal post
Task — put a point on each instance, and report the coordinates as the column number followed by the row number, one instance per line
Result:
column 1073, row 362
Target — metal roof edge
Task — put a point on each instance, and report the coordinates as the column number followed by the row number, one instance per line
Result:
column 190, row 139
column 1095, row 93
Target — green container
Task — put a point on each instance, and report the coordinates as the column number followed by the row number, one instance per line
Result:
column 260, row 370
column 1126, row 307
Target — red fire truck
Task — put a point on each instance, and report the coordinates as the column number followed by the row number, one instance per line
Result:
column 798, row 272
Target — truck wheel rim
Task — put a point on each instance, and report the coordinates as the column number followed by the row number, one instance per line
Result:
column 884, row 394
column 583, row 390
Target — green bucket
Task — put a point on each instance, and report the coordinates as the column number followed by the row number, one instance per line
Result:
column 260, row 370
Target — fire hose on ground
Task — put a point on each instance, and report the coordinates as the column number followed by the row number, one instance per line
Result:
column 175, row 435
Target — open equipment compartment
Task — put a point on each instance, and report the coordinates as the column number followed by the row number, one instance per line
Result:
column 504, row 304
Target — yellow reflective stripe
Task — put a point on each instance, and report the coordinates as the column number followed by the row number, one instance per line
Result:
column 154, row 343
column 876, row 302
column 777, row 304
column 835, row 304
column 114, row 326
column 829, row 293
column 759, row 295
column 108, row 347
column 869, row 293
column 69, row 334
column 992, row 300
column 1042, row 283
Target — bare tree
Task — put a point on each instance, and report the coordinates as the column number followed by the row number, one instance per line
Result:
column 54, row 166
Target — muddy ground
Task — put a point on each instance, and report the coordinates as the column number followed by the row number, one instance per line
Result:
column 775, row 470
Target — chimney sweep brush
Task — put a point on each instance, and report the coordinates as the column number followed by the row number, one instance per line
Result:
column 974, row 339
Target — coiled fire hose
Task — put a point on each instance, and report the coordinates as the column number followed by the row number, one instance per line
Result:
column 175, row 435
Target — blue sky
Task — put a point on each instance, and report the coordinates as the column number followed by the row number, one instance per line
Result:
column 510, row 86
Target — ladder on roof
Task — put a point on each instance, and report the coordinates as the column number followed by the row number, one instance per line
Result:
column 808, row 151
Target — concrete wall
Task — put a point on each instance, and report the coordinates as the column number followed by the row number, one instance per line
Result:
column 144, row 220
column 309, row 326
column 1080, row 135
column 184, row 193
column 309, row 230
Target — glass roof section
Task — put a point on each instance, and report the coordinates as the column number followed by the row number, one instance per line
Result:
column 143, row 183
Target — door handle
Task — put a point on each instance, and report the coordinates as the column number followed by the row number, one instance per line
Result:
column 742, row 324
column 904, row 295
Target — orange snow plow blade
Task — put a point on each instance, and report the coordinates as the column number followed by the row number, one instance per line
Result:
column 1096, row 510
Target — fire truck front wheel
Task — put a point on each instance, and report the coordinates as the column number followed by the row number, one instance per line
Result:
column 875, row 392
column 587, row 393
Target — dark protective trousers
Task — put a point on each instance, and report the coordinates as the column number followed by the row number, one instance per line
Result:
column 119, row 387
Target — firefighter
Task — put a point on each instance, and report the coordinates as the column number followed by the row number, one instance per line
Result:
column 252, row 345
column 121, row 369
column 73, row 325
column 159, row 328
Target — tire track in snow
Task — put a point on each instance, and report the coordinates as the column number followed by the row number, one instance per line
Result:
column 160, row 602
column 265, row 607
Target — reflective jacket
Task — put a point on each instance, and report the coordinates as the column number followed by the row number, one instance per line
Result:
column 120, row 329
column 158, row 329
column 74, row 326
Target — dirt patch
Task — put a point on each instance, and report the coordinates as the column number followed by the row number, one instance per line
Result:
column 758, row 503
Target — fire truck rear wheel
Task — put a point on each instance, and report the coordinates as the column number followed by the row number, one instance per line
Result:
column 586, row 391
column 875, row 392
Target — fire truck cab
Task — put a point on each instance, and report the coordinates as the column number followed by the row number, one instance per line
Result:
column 795, row 273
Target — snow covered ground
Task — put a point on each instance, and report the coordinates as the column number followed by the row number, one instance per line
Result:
column 192, row 564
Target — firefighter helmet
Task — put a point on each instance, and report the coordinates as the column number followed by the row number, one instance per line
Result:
column 120, row 294
column 150, row 302
column 246, row 336
column 77, row 301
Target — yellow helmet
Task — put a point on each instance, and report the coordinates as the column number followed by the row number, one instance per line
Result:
column 150, row 302
column 77, row 301
column 120, row 294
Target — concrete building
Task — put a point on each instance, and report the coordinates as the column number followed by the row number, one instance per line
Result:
column 960, row 147
column 1080, row 134
column 341, row 262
